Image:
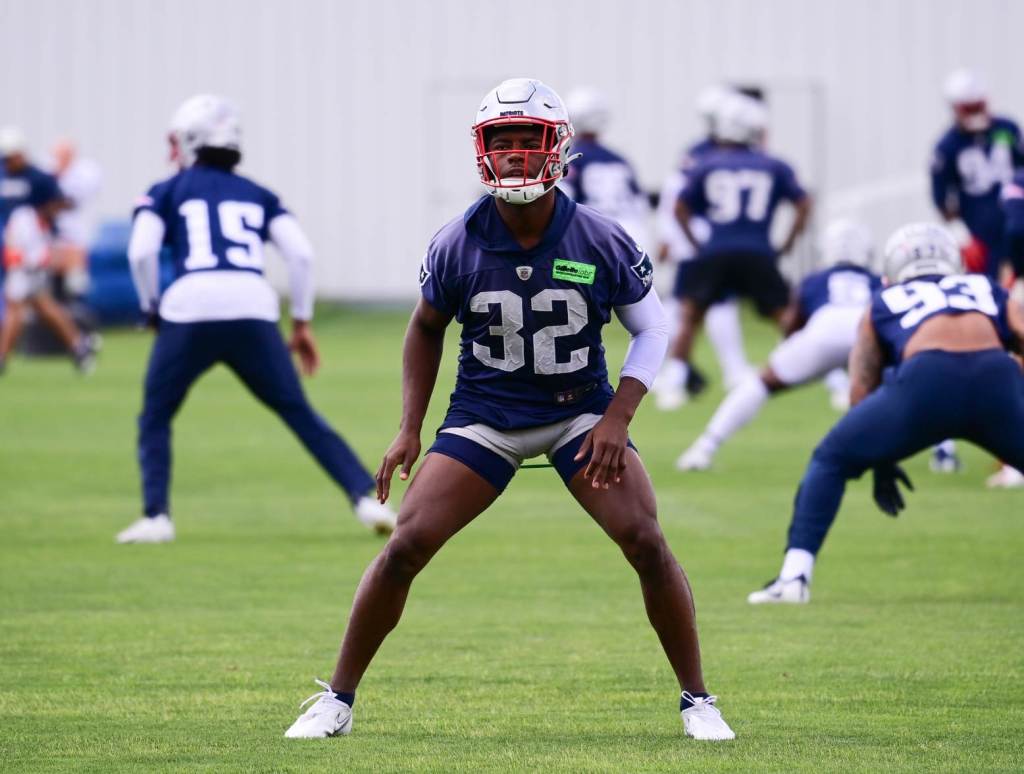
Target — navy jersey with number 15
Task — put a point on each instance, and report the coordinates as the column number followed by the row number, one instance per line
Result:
column 897, row 311
column 531, row 351
column 214, row 219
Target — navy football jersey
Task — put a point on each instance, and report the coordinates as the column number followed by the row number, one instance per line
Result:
column 692, row 156
column 968, row 169
column 1013, row 211
column 897, row 311
column 601, row 179
column 842, row 285
column 215, row 219
column 737, row 190
column 531, row 351
column 29, row 186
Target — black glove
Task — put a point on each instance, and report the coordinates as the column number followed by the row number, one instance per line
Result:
column 887, row 495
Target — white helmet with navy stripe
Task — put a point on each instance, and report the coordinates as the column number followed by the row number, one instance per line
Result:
column 920, row 250
column 523, row 102
column 204, row 121
column 847, row 241
column 740, row 119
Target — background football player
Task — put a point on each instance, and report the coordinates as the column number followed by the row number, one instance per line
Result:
column 822, row 326
column 679, row 380
column 532, row 277
column 220, row 309
column 737, row 188
column 944, row 334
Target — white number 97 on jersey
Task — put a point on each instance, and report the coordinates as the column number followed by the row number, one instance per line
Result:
column 916, row 300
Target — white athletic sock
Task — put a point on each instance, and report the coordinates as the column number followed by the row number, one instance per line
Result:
column 722, row 322
column 797, row 562
column 837, row 381
column 674, row 372
column 739, row 407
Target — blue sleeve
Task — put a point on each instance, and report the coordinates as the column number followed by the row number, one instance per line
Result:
column 436, row 284
column 804, row 296
column 273, row 206
column 632, row 269
column 788, row 186
column 943, row 178
column 44, row 189
column 692, row 194
column 1012, row 198
column 155, row 200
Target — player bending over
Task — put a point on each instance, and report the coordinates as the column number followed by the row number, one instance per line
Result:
column 945, row 334
column 27, row 247
column 532, row 277
column 824, row 317
column 220, row 309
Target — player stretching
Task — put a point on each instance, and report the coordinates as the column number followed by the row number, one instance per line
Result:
column 220, row 309
column 823, row 321
column 532, row 277
column 737, row 189
column 945, row 334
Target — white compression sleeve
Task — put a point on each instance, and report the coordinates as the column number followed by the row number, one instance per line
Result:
column 288, row 237
column 144, row 257
column 648, row 329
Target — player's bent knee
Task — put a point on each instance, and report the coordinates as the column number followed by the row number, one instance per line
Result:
column 643, row 545
column 405, row 555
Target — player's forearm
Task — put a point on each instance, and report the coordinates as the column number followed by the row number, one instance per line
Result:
column 295, row 247
column 627, row 398
column 803, row 214
column 683, row 216
column 421, row 359
column 143, row 258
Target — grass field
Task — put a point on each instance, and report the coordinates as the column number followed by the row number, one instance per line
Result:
column 524, row 645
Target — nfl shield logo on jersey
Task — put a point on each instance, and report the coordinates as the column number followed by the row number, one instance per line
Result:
column 524, row 272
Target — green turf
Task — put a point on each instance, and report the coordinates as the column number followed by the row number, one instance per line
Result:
column 524, row 645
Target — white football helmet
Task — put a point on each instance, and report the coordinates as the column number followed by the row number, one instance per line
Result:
column 921, row 249
column 967, row 94
column 523, row 102
column 204, row 121
column 708, row 100
column 588, row 110
column 847, row 241
column 12, row 141
column 740, row 119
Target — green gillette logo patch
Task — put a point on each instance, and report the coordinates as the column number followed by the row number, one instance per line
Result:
column 572, row 271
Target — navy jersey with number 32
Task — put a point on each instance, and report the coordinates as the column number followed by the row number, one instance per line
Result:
column 898, row 311
column 215, row 220
column 531, row 351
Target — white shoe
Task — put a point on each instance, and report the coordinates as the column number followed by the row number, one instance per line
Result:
column 697, row 457
column 670, row 398
column 702, row 720
column 329, row 716
column 795, row 591
column 376, row 516
column 155, row 529
column 1005, row 478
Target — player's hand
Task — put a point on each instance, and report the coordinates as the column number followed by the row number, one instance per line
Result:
column 303, row 344
column 606, row 445
column 403, row 452
column 885, row 491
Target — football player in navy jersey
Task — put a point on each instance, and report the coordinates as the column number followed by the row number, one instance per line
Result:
column 737, row 189
column 220, row 309
column 600, row 177
column 930, row 362
column 532, row 277
column 678, row 379
column 971, row 161
column 821, row 326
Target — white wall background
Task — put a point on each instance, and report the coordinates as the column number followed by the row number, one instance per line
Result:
column 357, row 112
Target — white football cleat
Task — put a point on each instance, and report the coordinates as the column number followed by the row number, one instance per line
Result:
column 702, row 720
column 148, row 529
column 795, row 591
column 1005, row 478
column 376, row 516
column 670, row 398
column 697, row 457
column 329, row 716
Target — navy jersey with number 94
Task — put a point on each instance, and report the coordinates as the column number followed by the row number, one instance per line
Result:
column 898, row 311
column 214, row 219
column 531, row 351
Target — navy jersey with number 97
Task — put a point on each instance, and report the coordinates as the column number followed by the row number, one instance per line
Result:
column 898, row 311
column 214, row 219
